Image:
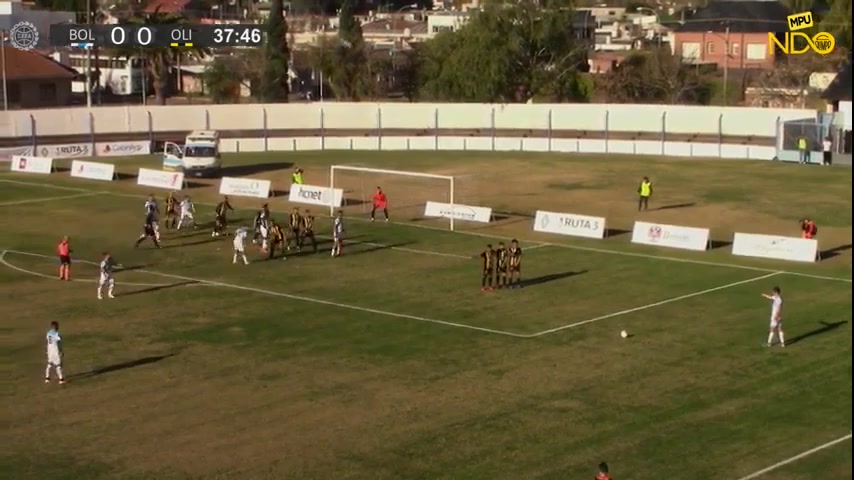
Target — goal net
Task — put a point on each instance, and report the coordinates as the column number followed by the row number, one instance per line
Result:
column 407, row 192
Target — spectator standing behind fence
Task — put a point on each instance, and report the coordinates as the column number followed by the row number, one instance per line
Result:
column 827, row 150
column 644, row 192
column 296, row 177
column 803, row 150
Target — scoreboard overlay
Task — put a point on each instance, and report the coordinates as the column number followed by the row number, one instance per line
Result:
column 138, row 36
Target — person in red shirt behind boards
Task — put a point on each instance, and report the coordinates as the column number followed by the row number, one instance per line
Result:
column 380, row 202
column 603, row 472
column 64, row 252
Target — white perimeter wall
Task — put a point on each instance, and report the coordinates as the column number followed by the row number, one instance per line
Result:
column 312, row 117
column 760, row 122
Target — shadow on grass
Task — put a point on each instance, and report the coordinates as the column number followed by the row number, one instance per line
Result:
column 824, row 328
column 530, row 282
column 120, row 366
column 158, row 288
column 615, row 232
column 833, row 252
column 716, row 244
column 674, row 206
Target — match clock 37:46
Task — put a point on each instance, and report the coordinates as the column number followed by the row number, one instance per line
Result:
column 236, row 36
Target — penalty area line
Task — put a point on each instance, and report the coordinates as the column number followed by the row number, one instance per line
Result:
column 651, row 305
column 317, row 301
column 16, row 268
column 797, row 457
column 48, row 199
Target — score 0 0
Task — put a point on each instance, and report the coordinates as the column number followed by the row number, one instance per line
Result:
column 138, row 37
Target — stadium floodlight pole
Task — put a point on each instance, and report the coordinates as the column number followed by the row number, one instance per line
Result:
column 449, row 178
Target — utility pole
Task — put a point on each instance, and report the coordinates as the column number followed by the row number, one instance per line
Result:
column 3, row 60
column 726, row 64
column 89, row 58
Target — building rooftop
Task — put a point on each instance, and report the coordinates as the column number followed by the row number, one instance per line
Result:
column 741, row 16
column 30, row 65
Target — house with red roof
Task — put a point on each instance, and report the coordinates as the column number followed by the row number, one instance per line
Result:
column 33, row 80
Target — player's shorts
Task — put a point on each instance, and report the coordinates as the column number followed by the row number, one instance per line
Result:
column 307, row 233
column 187, row 215
column 54, row 359
column 105, row 280
column 149, row 231
column 516, row 268
column 775, row 324
column 171, row 212
column 238, row 249
column 295, row 232
column 264, row 231
column 65, row 260
column 487, row 271
column 501, row 269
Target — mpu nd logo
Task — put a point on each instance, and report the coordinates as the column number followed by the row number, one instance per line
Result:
column 821, row 43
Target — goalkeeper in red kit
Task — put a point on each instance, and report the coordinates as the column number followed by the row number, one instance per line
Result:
column 380, row 202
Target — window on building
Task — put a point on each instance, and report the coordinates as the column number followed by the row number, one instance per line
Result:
column 735, row 50
column 14, row 92
column 47, row 92
column 710, row 48
column 756, row 51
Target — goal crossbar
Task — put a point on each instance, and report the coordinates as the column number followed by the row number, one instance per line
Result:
column 381, row 171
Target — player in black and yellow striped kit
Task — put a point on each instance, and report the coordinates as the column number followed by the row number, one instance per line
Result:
column 487, row 258
column 502, row 259
column 221, row 217
column 171, row 211
column 307, row 231
column 295, row 229
column 277, row 239
column 514, row 254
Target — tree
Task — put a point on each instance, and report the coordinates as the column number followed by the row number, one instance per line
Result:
column 223, row 78
column 274, row 79
column 345, row 61
column 656, row 77
column 789, row 81
column 159, row 61
column 508, row 53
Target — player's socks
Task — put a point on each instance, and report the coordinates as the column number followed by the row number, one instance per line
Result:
column 47, row 380
column 770, row 339
column 782, row 339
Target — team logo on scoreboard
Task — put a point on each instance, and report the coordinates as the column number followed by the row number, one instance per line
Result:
column 24, row 36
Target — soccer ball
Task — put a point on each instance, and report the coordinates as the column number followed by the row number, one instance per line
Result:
column 624, row 334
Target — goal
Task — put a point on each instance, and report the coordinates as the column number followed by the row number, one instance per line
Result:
column 408, row 192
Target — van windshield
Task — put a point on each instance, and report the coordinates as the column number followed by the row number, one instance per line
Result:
column 199, row 151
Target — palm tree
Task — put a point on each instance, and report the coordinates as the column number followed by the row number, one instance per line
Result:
column 159, row 61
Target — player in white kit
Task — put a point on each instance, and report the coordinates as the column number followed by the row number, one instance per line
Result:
column 240, row 245
column 54, row 354
column 338, row 234
column 262, row 227
column 187, row 212
column 106, row 280
column 776, row 326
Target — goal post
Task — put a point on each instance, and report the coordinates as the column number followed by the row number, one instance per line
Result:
column 336, row 182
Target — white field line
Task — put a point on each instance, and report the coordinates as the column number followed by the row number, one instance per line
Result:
column 496, row 237
column 308, row 299
column 651, row 305
column 797, row 457
column 48, row 199
column 6, row 263
column 403, row 249
column 539, row 245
